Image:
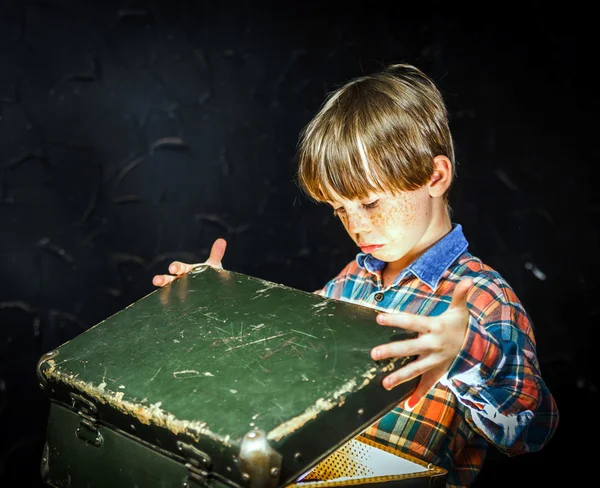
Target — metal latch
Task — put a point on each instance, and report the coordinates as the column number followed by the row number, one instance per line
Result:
column 198, row 465
column 88, row 420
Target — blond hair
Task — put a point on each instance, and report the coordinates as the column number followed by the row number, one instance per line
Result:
column 376, row 133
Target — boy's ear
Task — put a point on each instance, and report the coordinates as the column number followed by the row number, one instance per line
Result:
column 441, row 178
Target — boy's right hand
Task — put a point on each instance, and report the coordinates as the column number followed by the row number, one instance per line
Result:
column 177, row 268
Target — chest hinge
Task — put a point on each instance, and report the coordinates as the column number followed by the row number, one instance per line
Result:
column 198, row 464
column 88, row 420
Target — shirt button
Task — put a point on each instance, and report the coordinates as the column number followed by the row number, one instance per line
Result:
column 378, row 297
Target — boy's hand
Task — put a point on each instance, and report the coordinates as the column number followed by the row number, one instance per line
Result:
column 177, row 268
column 439, row 341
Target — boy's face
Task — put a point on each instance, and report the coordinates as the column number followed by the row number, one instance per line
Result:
column 388, row 226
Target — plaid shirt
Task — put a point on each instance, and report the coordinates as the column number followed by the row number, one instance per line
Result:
column 492, row 393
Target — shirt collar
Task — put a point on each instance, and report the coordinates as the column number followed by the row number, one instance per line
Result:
column 432, row 264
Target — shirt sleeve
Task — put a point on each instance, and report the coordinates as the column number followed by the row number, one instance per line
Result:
column 496, row 375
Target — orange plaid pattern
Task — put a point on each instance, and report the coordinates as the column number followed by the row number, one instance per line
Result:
column 493, row 392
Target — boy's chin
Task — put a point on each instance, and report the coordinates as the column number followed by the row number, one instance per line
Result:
column 383, row 256
column 387, row 256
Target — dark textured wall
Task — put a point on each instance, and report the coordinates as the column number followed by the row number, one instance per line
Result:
column 135, row 133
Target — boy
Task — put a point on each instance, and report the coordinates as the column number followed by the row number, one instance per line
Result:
column 380, row 152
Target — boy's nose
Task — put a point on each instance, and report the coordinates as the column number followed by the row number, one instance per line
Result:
column 357, row 223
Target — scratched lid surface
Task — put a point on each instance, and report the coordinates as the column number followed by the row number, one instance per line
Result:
column 217, row 355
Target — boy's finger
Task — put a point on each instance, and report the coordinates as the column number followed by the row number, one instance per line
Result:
column 162, row 280
column 408, row 321
column 461, row 293
column 427, row 383
column 398, row 349
column 406, row 373
column 178, row 268
column 217, row 252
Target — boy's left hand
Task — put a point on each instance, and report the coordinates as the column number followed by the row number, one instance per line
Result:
column 438, row 343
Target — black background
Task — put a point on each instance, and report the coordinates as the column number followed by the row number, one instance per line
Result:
column 135, row 133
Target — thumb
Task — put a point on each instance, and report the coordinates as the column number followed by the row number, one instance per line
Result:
column 427, row 383
column 461, row 293
column 217, row 252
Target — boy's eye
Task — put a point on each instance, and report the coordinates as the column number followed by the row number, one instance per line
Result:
column 372, row 204
column 338, row 211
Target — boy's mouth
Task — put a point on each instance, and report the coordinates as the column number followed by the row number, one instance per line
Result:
column 370, row 248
